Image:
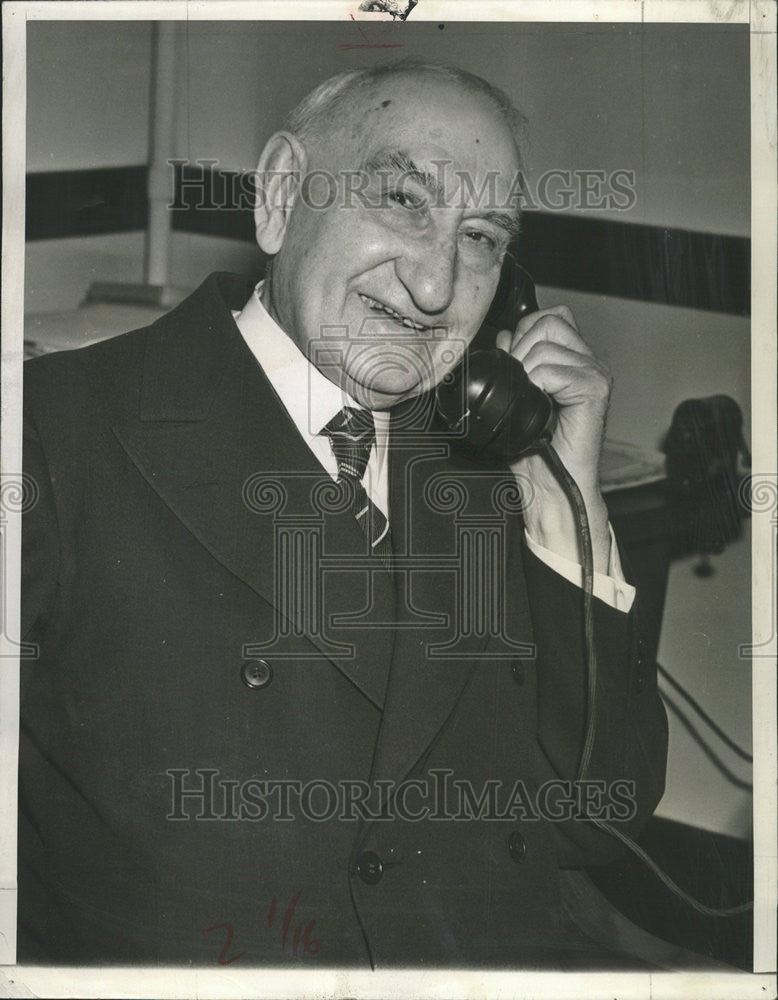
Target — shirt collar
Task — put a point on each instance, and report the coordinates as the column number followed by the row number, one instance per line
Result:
column 288, row 371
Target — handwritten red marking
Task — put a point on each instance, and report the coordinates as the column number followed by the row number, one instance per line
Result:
column 359, row 28
column 288, row 919
column 222, row 960
column 310, row 947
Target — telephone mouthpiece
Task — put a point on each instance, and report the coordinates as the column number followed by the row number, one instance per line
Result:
column 491, row 401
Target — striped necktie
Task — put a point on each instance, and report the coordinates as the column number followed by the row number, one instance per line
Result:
column 351, row 434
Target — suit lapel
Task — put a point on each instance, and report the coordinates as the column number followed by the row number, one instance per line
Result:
column 215, row 443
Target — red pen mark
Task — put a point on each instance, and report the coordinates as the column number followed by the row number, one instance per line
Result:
column 288, row 919
column 222, row 960
column 369, row 43
column 309, row 947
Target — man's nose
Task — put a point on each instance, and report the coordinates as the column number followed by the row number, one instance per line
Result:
column 428, row 273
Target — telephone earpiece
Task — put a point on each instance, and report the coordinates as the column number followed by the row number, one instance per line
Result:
column 489, row 399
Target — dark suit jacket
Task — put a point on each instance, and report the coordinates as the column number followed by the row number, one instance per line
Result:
column 174, row 544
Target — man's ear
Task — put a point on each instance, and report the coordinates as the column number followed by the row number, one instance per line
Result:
column 279, row 173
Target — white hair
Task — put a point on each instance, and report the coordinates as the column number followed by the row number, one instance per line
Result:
column 317, row 113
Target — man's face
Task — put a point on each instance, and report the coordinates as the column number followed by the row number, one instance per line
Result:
column 385, row 287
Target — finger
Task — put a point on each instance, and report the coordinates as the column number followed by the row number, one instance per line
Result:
column 552, row 329
column 569, row 384
column 550, row 352
column 503, row 340
column 563, row 312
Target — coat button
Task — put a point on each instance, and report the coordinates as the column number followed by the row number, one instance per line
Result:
column 369, row 868
column 256, row 673
column 517, row 847
column 518, row 673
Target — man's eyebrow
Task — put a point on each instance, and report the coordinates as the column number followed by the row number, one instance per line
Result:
column 399, row 160
column 510, row 223
column 396, row 159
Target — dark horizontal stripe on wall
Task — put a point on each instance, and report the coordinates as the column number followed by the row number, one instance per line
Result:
column 677, row 267
column 672, row 266
column 86, row 202
column 214, row 203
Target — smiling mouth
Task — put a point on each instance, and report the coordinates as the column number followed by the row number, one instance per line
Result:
column 377, row 306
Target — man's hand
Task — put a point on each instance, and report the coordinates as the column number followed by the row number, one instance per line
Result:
column 555, row 357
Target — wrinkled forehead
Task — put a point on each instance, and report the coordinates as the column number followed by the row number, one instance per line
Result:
column 428, row 119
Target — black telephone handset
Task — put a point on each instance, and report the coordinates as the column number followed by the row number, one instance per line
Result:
column 489, row 400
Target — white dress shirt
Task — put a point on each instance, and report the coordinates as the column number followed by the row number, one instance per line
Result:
column 311, row 401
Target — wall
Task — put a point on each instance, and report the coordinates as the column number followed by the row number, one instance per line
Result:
column 87, row 94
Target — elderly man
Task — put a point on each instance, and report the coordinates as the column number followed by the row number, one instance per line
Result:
column 268, row 722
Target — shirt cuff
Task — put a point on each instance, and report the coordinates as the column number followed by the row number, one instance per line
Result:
column 612, row 589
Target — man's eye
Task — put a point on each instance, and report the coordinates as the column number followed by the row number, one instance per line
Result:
column 404, row 199
column 480, row 239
